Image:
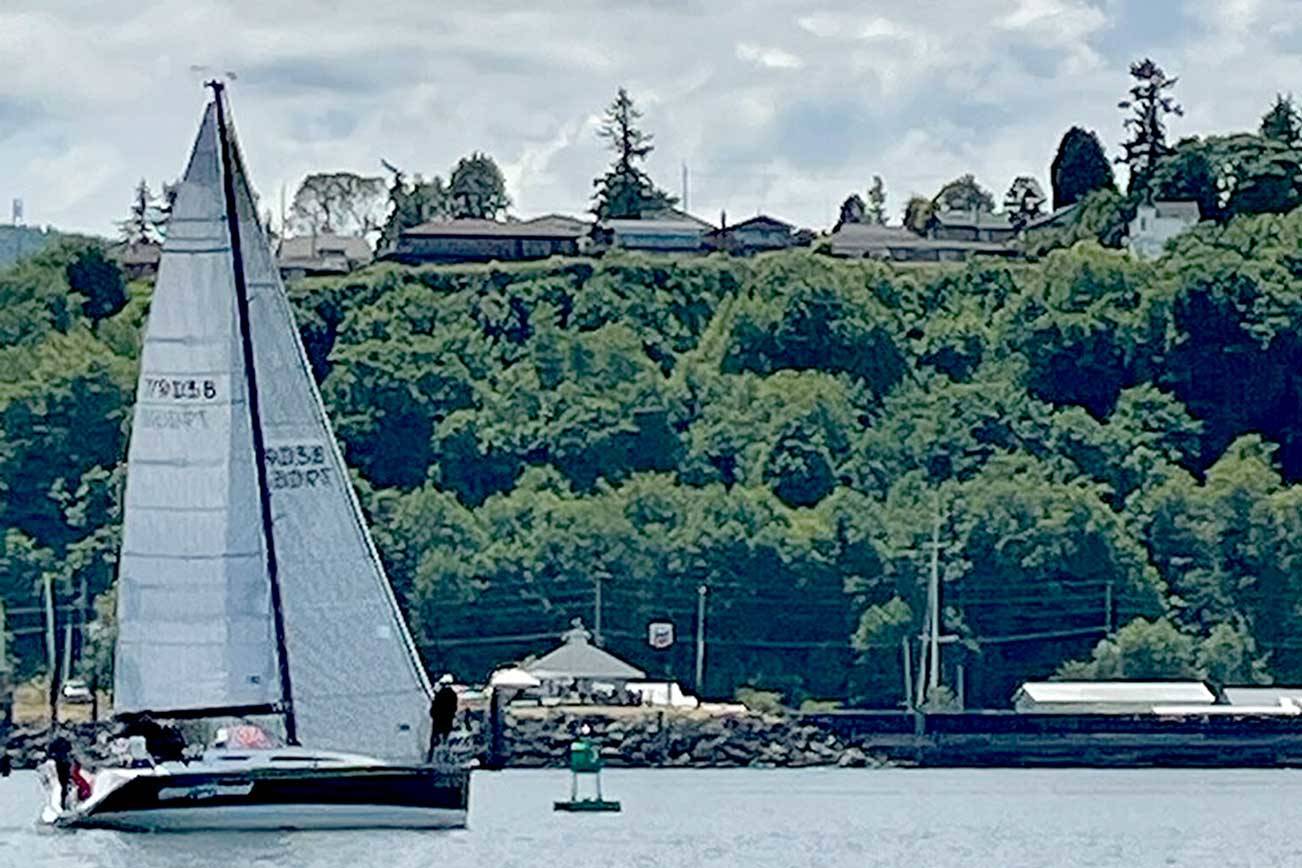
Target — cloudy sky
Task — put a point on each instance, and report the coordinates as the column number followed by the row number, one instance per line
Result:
column 777, row 106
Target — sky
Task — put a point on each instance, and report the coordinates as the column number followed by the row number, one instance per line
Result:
column 776, row 107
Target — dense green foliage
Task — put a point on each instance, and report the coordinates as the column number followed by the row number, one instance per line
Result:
column 1109, row 445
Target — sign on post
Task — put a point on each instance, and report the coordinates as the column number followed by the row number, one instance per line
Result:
column 660, row 634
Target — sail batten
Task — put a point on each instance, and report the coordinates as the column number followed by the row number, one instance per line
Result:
column 201, row 478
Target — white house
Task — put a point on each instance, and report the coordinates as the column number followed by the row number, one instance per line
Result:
column 1157, row 223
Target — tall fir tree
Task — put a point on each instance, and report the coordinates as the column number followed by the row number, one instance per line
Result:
column 875, row 212
column 626, row 191
column 1149, row 104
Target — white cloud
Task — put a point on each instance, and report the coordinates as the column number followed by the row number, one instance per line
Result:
column 772, row 58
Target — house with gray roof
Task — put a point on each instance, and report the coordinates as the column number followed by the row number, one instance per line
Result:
column 897, row 244
column 467, row 240
column 322, row 255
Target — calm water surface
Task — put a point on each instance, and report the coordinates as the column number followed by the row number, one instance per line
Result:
column 752, row 818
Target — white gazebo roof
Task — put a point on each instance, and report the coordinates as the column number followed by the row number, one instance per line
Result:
column 579, row 658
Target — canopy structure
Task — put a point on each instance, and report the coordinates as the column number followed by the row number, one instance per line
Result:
column 513, row 678
column 579, row 660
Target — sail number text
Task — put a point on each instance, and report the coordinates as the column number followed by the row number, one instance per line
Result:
column 180, row 389
column 302, row 465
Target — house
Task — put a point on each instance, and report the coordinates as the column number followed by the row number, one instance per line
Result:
column 137, row 259
column 756, row 235
column 467, row 240
column 580, row 668
column 670, row 231
column 1157, row 223
column 322, row 255
column 972, row 225
column 1109, row 697
column 872, row 241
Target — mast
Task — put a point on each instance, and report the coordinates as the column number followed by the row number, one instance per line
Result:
column 255, row 415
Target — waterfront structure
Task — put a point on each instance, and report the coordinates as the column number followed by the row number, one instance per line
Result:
column 1108, row 697
column 579, row 668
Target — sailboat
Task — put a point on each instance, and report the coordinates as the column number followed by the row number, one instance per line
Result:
column 248, row 584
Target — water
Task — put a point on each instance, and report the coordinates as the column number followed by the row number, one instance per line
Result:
column 754, row 818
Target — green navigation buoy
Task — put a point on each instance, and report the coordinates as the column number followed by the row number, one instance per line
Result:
column 585, row 760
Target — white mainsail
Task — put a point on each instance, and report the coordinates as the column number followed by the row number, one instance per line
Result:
column 194, row 602
column 355, row 681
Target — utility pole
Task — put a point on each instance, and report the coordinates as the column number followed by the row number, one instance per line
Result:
column 51, row 650
column 933, row 607
column 908, row 672
column 596, row 605
column 1107, row 608
column 685, row 190
column 700, row 638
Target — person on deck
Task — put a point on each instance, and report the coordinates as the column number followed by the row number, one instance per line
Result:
column 442, row 714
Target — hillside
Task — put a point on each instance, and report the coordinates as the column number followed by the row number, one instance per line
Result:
column 1106, row 445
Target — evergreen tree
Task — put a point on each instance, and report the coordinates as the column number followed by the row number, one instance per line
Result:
column 626, row 191
column 1149, row 104
column 99, row 281
column 412, row 202
column 1079, row 168
column 477, row 188
column 852, row 211
column 876, row 209
column 1283, row 123
column 144, row 226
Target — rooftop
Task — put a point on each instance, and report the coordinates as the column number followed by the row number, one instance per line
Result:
column 577, row 657
column 551, row 226
column 309, row 247
column 1166, row 692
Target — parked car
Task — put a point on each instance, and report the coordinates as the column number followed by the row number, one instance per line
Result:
column 76, row 691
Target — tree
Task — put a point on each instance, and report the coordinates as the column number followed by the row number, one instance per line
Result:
column 144, row 226
column 412, row 202
column 477, row 189
column 852, row 211
column 1079, row 168
column 1283, row 123
column 1142, row 650
column 99, row 280
column 1149, row 104
column 342, row 203
column 1188, row 173
column 1024, row 201
column 964, row 194
column 918, row 212
column 626, row 191
column 876, row 211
